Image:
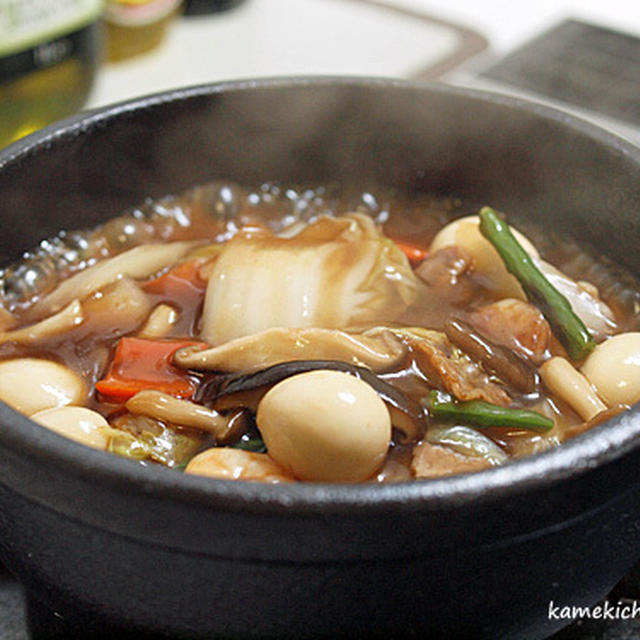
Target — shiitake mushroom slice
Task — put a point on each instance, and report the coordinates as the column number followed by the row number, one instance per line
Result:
column 494, row 358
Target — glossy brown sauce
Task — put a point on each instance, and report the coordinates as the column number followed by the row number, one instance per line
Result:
column 217, row 211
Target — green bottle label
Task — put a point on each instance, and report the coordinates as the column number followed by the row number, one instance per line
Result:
column 27, row 24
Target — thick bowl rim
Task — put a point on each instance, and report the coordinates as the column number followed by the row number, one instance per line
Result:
column 599, row 446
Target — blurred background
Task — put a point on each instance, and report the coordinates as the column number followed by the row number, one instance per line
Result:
column 61, row 56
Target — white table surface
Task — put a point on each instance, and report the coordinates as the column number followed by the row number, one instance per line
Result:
column 508, row 23
column 280, row 37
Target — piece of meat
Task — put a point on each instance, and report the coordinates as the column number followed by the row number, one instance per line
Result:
column 443, row 267
column 514, row 324
column 434, row 461
column 446, row 366
column 443, row 270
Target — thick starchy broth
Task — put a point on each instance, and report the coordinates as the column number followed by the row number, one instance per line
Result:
column 283, row 334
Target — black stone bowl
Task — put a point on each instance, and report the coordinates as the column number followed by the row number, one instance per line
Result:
column 103, row 540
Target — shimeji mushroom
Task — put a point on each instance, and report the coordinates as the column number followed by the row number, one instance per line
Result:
column 140, row 262
column 569, row 384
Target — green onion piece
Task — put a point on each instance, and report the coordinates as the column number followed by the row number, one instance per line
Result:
column 570, row 330
column 476, row 413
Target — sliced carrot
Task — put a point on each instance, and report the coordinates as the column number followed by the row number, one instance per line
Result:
column 140, row 364
column 414, row 253
column 181, row 280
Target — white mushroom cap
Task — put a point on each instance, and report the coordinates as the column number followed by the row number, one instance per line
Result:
column 325, row 426
column 77, row 423
column 613, row 368
column 30, row 385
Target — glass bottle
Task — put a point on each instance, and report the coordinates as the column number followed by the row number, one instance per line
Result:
column 137, row 26
column 49, row 51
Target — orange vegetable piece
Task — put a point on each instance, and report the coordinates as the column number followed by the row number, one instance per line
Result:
column 414, row 253
column 181, row 280
column 140, row 364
